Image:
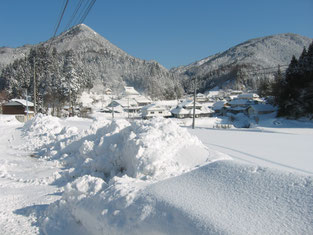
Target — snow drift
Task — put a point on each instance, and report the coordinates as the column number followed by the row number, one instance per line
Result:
column 154, row 177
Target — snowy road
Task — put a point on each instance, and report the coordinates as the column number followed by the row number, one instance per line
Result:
column 24, row 184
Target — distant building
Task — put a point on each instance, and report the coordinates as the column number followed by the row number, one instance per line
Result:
column 18, row 107
column 201, row 98
column 248, row 96
column 142, row 101
column 185, row 110
column 130, row 92
column 154, row 110
column 127, row 105
column 259, row 109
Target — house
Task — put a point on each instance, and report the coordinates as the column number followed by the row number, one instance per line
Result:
column 180, row 112
column 130, row 92
column 239, row 103
column 248, row 96
column 154, row 110
column 188, row 104
column 259, row 109
column 219, row 107
column 127, row 105
column 18, row 107
column 185, row 110
column 142, row 101
column 201, row 98
column 237, row 110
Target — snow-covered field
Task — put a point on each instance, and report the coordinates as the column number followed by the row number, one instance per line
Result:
column 83, row 176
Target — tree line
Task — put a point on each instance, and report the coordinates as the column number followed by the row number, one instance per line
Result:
column 59, row 78
column 293, row 90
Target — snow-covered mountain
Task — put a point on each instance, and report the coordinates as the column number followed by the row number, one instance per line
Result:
column 109, row 65
column 243, row 65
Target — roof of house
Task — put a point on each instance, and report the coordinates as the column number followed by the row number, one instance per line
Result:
column 123, row 102
column 219, row 105
column 239, row 102
column 263, row 107
column 142, row 99
column 129, row 90
column 152, row 107
column 248, row 96
column 17, row 102
column 188, row 103
column 180, row 110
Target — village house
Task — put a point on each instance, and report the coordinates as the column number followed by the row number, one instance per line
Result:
column 249, row 96
column 185, row 110
column 124, row 105
column 259, row 109
column 22, row 109
column 18, row 107
column 130, row 92
column 154, row 110
column 142, row 100
column 201, row 98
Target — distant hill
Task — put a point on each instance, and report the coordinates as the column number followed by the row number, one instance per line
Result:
column 242, row 66
column 105, row 63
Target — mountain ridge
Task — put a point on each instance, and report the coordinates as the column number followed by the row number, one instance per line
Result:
column 257, row 53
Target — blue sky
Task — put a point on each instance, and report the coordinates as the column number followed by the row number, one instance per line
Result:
column 172, row 32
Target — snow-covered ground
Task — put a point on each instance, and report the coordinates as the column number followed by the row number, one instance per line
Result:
column 155, row 177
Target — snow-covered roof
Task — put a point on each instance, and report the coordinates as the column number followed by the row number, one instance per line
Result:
column 219, row 105
column 129, row 90
column 152, row 107
column 263, row 107
column 189, row 104
column 142, row 99
column 248, row 96
column 200, row 95
column 180, row 110
column 238, row 108
column 123, row 102
column 239, row 102
column 15, row 102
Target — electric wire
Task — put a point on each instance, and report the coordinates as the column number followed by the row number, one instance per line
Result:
column 74, row 14
column 87, row 11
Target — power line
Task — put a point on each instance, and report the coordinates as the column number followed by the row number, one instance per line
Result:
column 84, row 9
column 87, row 11
column 60, row 19
column 74, row 14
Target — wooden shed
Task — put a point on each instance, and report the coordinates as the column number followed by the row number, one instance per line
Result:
column 17, row 107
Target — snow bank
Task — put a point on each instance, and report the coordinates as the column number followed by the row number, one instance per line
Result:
column 40, row 131
column 224, row 197
column 151, row 149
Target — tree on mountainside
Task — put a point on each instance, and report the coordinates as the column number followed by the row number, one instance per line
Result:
column 294, row 94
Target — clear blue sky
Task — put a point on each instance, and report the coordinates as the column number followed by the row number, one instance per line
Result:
column 172, row 32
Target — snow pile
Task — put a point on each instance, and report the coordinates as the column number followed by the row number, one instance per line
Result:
column 40, row 130
column 151, row 149
column 222, row 197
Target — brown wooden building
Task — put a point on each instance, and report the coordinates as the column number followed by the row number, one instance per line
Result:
column 17, row 107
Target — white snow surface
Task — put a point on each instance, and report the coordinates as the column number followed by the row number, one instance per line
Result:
column 152, row 177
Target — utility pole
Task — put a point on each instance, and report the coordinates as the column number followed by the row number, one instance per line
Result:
column 35, row 86
column 112, row 109
column 194, row 103
column 27, row 110
column 128, row 108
